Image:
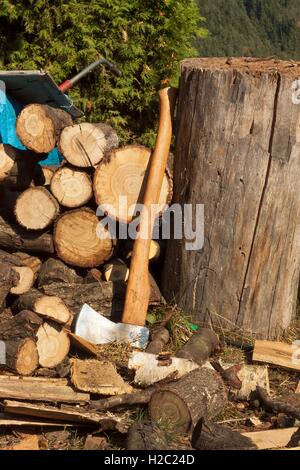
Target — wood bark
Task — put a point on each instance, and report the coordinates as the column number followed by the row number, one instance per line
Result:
column 50, row 307
column 23, row 325
column 201, row 346
column 39, row 127
column 26, row 274
column 213, row 436
column 81, row 240
column 54, row 270
column 146, row 436
column 36, row 208
column 199, row 394
column 9, row 278
column 31, row 262
column 124, row 175
column 84, row 145
column 14, row 237
column 71, row 187
column 238, row 153
column 21, row 355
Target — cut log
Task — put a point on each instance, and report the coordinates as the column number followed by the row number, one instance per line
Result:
column 290, row 405
column 54, row 270
column 116, row 270
column 278, row 354
column 98, row 377
column 119, row 184
column 14, row 237
column 31, row 262
column 43, row 175
column 26, row 274
column 149, row 369
column 251, row 377
column 21, row 326
column 22, row 356
column 84, row 145
column 40, row 389
column 199, row 394
column 17, row 167
column 9, row 278
column 201, row 346
column 53, row 345
column 70, row 414
column 146, row 436
column 155, row 251
column 212, row 436
column 71, row 187
column 238, row 154
column 81, row 240
column 36, row 208
column 39, row 127
column 104, row 297
column 51, row 307
column 272, row 439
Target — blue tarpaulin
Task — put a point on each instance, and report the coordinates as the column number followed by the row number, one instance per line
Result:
column 9, row 110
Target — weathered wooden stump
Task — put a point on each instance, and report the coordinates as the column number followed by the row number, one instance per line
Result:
column 238, row 153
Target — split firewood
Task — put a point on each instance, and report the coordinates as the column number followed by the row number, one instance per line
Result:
column 200, row 346
column 116, row 270
column 213, row 436
column 83, row 344
column 9, row 279
column 53, row 345
column 251, row 377
column 277, row 353
column 84, row 145
column 81, row 240
column 50, row 307
column 18, row 167
column 150, row 370
column 26, row 443
column 36, row 208
column 54, row 270
column 39, row 127
column 199, row 394
column 122, row 178
column 70, row 414
column 31, row 262
column 21, row 355
column 271, row 439
column 159, row 338
column 125, row 250
column 146, row 436
column 14, row 237
column 21, row 326
column 40, row 389
column 12, row 421
column 290, row 405
column 26, row 274
column 71, row 187
column 98, row 377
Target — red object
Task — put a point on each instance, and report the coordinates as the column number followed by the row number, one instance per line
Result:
column 65, row 86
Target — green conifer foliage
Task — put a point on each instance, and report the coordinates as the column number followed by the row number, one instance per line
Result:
column 145, row 38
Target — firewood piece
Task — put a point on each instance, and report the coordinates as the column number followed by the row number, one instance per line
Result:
column 26, row 443
column 54, row 270
column 213, row 436
column 14, row 237
column 84, row 145
column 200, row 346
column 81, row 240
column 278, row 406
column 9, row 420
column 69, row 414
column 42, row 175
column 229, row 375
column 251, row 377
column 71, row 187
column 36, row 208
column 31, row 262
column 39, row 127
column 116, row 270
column 22, row 356
column 50, row 307
column 44, row 372
column 9, row 278
column 127, row 399
column 271, row 439
column 23, row 325
column 104, row 297
column 146, row 436
column 123, row 177
column 276, row 353
column 40, row 389
column 159, row 339
column 53, row 345
column 17, row 167
column 97, row 376
column 201, row 393
column 96, row 443
column 149, row 370
column 155, row 251
column 26, row 275
column 83, row 344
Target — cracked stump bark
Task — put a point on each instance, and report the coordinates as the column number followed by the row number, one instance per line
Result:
column 238, row 153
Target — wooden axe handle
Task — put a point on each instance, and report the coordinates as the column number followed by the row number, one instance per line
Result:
column 138, row 288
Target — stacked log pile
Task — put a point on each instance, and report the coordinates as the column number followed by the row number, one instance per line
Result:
column 54, row 250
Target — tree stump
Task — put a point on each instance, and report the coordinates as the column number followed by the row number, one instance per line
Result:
column 238, row 153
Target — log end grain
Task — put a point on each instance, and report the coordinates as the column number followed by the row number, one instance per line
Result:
column 36, row 208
